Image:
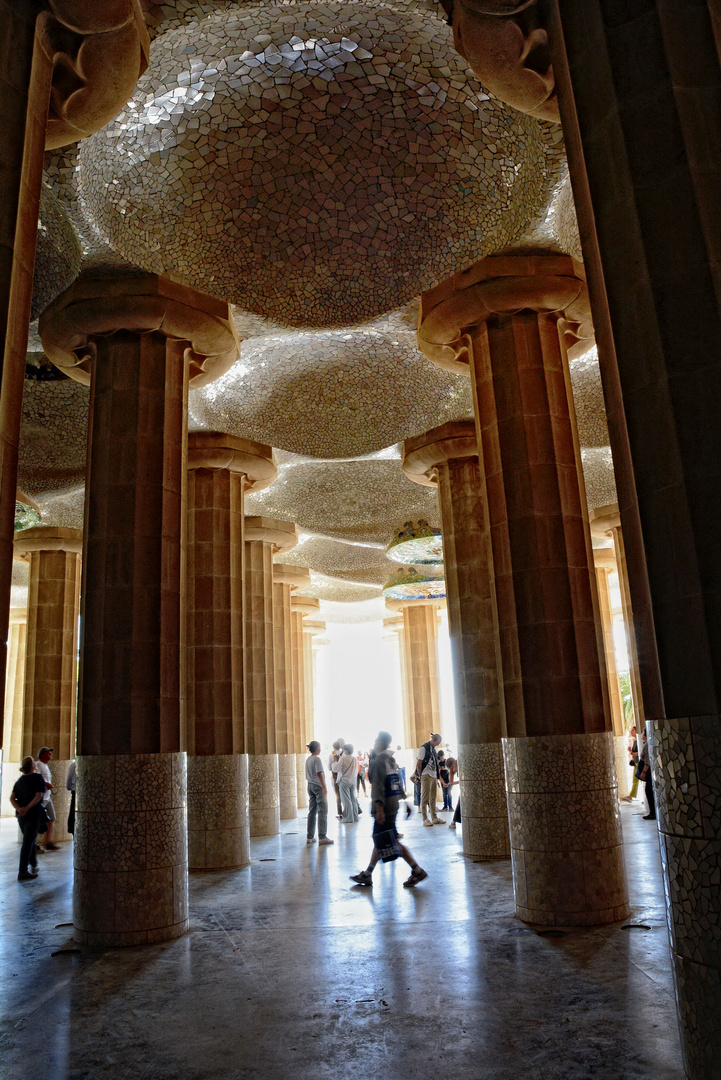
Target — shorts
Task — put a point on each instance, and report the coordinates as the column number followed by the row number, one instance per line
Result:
column 389, row 825
column 49, row 810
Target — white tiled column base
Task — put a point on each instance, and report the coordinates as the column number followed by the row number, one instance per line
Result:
column 624, row 772
column 565, row 829
column 301, row 781
column 288, row 786
column 685, row 756
column 218, row 814
column 131, row 849
column 484, row 811
column 263, row 786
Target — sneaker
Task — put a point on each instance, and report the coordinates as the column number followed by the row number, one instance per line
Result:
column 24, row 875
column 417, row 875
column 364, row 878
column 452, row 825
column 310, row 840
column 325, row 841
column 399, row 835
column 428, row 824
column 437, row 821
column 39, row 850
column 52, row 847
column 649, row 817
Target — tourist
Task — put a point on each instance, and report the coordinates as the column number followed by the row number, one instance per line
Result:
column 70, row 785
column 42, row 766
column 644, row 773
column 447, row 775
column 361, row 774
column 346, row 774
column 26, row 799
column 444, row 779
column 427, row 768
column 333, row 757
column 317, row 796
column 385, row 793
column 633, row 762
column 401, row 768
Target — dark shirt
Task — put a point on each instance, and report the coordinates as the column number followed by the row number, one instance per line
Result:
column 444, row 772
column 27, row 788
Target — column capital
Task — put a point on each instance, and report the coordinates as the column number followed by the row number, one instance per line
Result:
column 423, row 454
column 97, row 307
column 49, row 538
column 306, row 605
column 103, row 57
column 553, row 284
column 604, row 519
column 282, row 535
column 393, row 623
column 401, row 605
column 295, row 576
column 216, row 450
column 604, row 559
column 314, row 626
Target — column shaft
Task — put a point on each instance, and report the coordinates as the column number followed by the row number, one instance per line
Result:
column 218, row 825
column 13, row 714
column 260, row 734
column 620, row 738
column 420, row 625
column 26, row 79
column 287, row 744
column 299, row 708
column 661, row 284
column 131, row 771
column 630, row 627
column 471, row 622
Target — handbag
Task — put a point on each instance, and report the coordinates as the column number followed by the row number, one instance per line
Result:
column 641, row 771
column 387, row 845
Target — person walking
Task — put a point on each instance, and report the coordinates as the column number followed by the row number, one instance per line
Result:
column 317, row 796
column 385, row 794
column 26, row 799
column 333, row 758
column 644, row 774
column 42, row 766
column 361, row 781
column 427, row 768
column 346, row 772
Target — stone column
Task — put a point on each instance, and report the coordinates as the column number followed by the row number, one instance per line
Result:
column 13, row 714
column 52, row 654
column 447, row 457
column 510, row 319
column 46, row 105
column 420, row 650
column 138, row 340
column 291, row 762
column 264, row 537
column 605, row 563
column 313, row 630
column 221, row 468
column 394, row 624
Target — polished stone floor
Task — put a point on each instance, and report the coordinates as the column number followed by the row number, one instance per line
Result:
column 291, row 973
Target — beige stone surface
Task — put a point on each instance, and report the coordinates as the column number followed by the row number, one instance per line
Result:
column 218, row 812
column 264, row 791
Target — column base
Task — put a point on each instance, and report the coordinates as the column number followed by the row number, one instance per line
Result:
column 624, row 772
column 288, row 786
column 565, row 830
column 218, row 815
column 685, row 757
column 264, row 791
column 301, row 781
column 61, row 801
column 131, row 853
column 484, row 808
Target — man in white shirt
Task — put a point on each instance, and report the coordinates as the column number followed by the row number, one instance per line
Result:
column 427, row 767
column 42, row 766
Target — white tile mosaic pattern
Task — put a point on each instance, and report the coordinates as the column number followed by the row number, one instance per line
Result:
column 264, row 789
column 58, row 254
column 318, row 163
column 331, row 394
column 218, row 814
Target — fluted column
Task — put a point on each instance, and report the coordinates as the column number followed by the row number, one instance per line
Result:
column 294, row 578
column 313, row 639
column 46, row 105
column 510, row 320
column 264, row 538
column 51, row 653
column 13, row 714
column 291, row 756
column 447, row 457
column 605, row 562
column 394, row 624
column 420, row 645
column 304, row 608
column 138, row 340
column 221, row 468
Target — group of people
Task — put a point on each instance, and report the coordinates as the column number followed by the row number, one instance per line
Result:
column 433, row 768
column 32, row 801
column 640, row 762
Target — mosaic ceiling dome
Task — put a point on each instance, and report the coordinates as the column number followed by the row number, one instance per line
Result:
column 58, row 256
column 315, row 163
column 358, row 563
column 348, row 500
column 330, row 394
